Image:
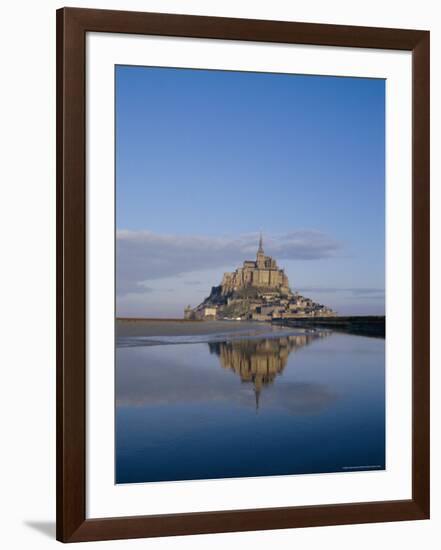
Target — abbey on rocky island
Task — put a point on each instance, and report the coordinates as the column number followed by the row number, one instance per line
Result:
column 262, row 273
column 258, row 290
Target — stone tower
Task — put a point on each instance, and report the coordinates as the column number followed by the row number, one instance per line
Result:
column 260, row 258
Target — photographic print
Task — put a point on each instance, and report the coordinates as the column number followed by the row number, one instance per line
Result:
column 250, row 274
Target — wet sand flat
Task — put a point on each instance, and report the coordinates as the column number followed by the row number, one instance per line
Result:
column 166, row 327
column 220, row 399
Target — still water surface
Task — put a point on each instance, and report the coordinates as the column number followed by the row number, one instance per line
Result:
column 241, row 405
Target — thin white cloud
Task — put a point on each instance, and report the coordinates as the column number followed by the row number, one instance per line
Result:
column 356, row 292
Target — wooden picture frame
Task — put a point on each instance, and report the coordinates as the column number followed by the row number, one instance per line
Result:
column 72, row 26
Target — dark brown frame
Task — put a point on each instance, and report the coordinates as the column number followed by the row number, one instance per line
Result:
column 72, row 25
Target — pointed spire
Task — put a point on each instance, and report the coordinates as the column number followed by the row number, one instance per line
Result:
column 260, row 249
column 257, row 396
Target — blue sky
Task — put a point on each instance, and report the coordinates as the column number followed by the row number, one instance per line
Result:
column 207, row 159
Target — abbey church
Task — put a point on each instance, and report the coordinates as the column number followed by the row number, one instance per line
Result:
column 262, row 273
column 258, row 290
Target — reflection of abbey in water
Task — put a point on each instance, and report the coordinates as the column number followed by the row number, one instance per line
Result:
column 260, row 361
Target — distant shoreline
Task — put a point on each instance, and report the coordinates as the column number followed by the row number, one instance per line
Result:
column 329, row 319
column 363, row 325
column 129, row 327
column 367, row 325
column 158, row 320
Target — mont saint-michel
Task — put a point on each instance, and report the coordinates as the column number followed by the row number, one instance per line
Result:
column 259, row 199
column 258, row 290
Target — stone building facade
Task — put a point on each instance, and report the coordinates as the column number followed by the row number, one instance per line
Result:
column 262, row 273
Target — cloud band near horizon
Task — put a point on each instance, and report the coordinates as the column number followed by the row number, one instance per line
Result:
column 143, row 256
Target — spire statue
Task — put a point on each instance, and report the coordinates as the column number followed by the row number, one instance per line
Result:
column 260, row 249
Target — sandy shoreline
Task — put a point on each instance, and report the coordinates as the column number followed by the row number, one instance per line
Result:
column 166, row 327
